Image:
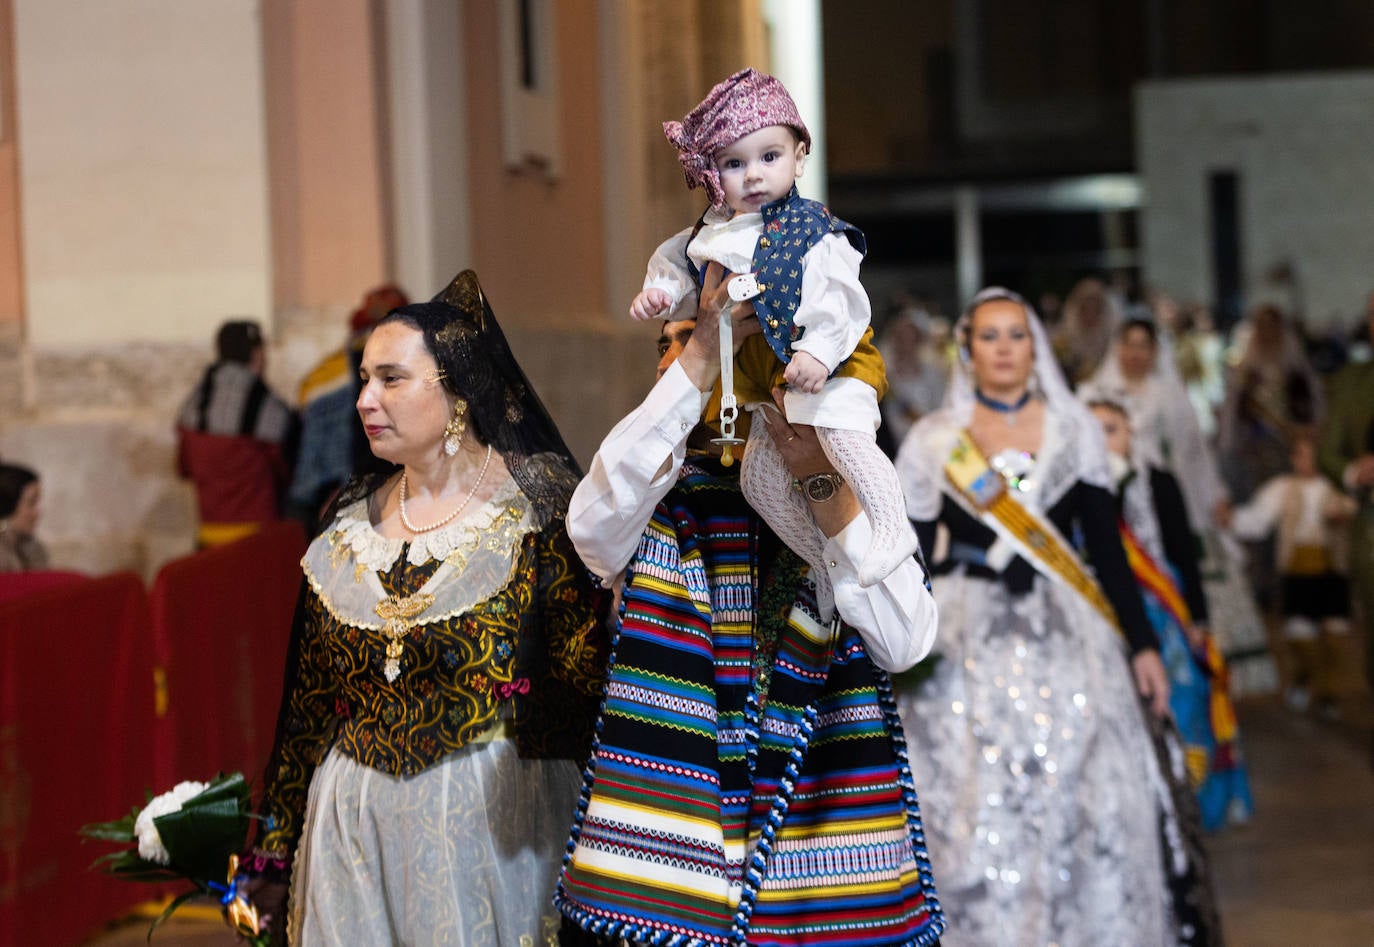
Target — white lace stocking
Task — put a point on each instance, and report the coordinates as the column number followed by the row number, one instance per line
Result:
column 871, row 476
column 767, row 485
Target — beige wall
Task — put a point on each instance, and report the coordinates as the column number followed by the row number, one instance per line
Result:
column 11, row 293
column 538, row 245
column 1301, row 146
column 268, row 119
column 142, row 169
column 329, row 233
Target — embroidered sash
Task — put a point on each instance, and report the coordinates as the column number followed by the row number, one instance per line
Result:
column 1153, row 578
column 1158, row 584
column 1033, row 536
column 1223, row 711
column 714, row 814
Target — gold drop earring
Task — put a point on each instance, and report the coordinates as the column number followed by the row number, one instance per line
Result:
column 457, row 427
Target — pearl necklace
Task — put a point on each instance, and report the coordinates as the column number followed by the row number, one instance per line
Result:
column 405, row 520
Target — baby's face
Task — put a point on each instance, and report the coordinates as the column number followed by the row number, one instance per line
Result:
column 760, row 167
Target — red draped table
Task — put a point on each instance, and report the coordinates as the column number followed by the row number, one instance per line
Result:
column 221, row 625
column 76, row 746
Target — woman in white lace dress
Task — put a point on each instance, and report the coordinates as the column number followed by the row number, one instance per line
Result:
column 1032, row 738
column 1139, row 374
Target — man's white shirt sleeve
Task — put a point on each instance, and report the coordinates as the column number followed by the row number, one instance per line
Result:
column 896, row 617
column 634, row 468
column 638, row 464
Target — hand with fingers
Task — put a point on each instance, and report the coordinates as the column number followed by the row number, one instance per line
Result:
column 700, row 358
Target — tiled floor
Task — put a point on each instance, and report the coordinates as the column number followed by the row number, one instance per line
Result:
column 1301, row 873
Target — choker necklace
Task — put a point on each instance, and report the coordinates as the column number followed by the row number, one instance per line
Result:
column 1008, row 411
column 405, row 520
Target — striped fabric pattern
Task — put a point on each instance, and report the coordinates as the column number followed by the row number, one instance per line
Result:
column 713, row 813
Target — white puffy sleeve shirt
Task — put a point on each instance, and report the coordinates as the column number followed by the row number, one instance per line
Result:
column 667, row 270
column 834, row 308
column 638, row 463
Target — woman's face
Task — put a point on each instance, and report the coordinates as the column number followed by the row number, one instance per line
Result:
column 1137, row 353
column 1090, row 311
column 906, row 336
column 1001, row 351
column 1268, row 329
column 24, row 521
column 403, row 409
column 1116, row 429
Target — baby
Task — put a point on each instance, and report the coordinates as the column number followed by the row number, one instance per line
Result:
column 746, row 145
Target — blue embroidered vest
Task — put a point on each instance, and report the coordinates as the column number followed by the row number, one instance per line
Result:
column 791, row 227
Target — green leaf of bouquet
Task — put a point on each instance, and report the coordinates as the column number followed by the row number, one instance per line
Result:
column 209, row 828
column 221, row 788
column 121, row 830
column 170, row 910
column 116, row 830
column 147, row 873
column 128, row 866
column 110, row 860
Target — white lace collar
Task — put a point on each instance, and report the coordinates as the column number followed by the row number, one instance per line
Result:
column 477, row 557
column 353, row 530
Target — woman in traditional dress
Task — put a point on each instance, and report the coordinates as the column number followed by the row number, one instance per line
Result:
column 1032, row 739
column 1090, row 315
column 1271, row 392
column 444, row 673
column 915, row 371
column 1139, row 374
column 1158, row 537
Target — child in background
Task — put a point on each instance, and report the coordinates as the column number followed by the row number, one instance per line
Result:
column 746, row 145
column 1158, row 539
column 1309, row 514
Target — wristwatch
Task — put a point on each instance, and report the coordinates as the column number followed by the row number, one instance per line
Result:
column 819, row 487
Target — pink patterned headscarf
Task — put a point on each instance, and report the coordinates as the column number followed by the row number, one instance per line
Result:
column 738, row 106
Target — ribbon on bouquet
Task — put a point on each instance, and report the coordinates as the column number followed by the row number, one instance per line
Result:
column 239, row 911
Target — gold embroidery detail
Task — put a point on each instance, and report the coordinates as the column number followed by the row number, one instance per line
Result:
column 399, row 613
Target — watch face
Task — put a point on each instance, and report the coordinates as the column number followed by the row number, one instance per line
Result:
column 820, row 488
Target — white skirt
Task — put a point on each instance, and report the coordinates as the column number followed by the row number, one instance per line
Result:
column 465, row 852
column 1038, row 781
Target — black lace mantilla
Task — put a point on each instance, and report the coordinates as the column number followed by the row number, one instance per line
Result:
column 478, row 366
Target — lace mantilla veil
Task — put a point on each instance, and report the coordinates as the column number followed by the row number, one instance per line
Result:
column 478, row 366
column 1074, row 448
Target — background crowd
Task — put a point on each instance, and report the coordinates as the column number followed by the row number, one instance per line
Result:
column 1230, row 411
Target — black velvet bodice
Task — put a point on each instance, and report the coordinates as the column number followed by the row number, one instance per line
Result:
column 1085, row 515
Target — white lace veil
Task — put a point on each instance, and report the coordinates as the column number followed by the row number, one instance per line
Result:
column 1109, row 384
column 1082, row 343
column 1164, row 371
column 1166, row 432
column 1079, row 451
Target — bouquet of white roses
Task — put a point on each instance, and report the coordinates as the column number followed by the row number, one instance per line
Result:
column 193, row 833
